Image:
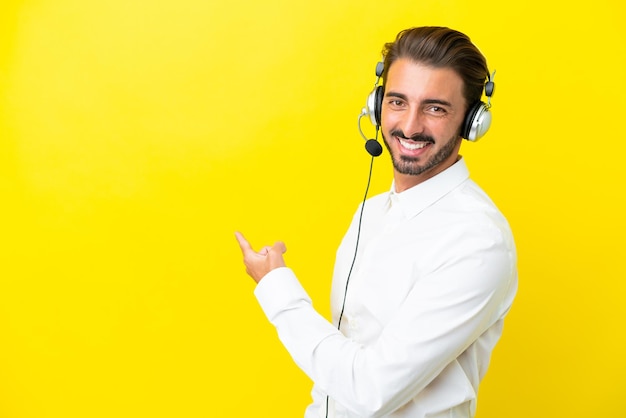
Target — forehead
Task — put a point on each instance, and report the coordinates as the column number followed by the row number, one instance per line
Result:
column 420, row 81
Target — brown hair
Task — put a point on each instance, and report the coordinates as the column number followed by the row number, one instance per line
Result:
column 441, row 47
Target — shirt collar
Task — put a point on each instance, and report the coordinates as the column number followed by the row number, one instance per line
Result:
column 414, row 200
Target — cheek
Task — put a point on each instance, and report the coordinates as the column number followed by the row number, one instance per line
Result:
column 446, row 128
column 389, row 120
column 455, row 128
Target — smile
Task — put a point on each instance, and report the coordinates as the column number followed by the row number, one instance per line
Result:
column 412, row 145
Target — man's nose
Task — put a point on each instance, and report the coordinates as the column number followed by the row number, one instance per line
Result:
column 412, row 124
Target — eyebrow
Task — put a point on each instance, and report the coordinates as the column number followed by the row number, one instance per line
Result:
column 426, row 101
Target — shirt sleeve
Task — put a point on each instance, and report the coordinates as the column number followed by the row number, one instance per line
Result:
column 446, row 311
column 289, row 308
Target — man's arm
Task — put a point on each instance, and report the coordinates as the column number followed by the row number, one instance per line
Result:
column 445, row 313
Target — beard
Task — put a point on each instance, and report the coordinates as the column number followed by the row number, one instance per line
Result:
column 411, row 166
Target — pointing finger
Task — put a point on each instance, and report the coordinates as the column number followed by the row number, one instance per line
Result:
column 243, row 243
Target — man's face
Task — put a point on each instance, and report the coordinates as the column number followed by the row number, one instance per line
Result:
column 422, row 112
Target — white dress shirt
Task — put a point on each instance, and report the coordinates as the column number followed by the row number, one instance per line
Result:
column 434, row 276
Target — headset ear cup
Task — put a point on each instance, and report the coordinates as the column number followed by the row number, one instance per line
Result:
column 469, row 120
column 378, row 104
column 477, row 122
column 374, row 105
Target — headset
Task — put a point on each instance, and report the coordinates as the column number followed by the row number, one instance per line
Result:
column 475, row 125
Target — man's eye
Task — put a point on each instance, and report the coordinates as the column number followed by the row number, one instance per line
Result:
column 396, row 103
column 438, row 110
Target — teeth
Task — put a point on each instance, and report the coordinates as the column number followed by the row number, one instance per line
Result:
column 412, row 145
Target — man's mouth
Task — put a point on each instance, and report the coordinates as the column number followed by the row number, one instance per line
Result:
column 412, row 145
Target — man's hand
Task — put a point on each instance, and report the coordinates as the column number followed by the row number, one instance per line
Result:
column 258, row 264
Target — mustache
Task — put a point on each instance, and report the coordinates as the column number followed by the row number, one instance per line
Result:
column 414, row 137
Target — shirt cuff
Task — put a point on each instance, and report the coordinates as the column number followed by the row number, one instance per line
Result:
column 278, row 291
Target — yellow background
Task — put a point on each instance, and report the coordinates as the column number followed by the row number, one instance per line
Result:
column 137, row 136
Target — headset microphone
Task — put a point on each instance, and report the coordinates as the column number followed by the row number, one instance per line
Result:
column 373, row 147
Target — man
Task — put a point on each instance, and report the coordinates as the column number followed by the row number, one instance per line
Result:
column 434, row 272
